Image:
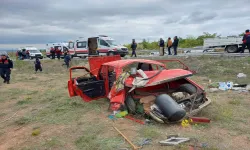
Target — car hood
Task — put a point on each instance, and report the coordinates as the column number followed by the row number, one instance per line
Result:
column 161, row 77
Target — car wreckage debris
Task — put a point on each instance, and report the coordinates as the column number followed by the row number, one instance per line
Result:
column 165, row 95
column 134, row 147
column 174, row 141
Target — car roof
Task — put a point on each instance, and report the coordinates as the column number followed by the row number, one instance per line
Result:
column 124, row 62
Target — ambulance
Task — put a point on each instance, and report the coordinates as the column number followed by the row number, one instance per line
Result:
column 106, row 46
column 60, row 45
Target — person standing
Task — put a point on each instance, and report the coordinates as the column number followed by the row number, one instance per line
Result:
column 67, row 59
column 38, row 65
column 6, row 66
column 175, row 44
column 133, row 47
column 161, row 44
column 169, row 45
column 246, row 41
column 52, row 52
column 27, row 54
column 58, row 53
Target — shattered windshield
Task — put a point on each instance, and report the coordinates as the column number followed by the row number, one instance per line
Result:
column 112, row 42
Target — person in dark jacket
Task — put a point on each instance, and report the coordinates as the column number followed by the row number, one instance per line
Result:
column 162, row 45
column 53, row 52
column 27, row 54
column 58, row 53
column 67, row 59
column 23, row 54
column 175, row 44
column 246, row 41
column 20, row 55
column 38, row 65
column 5, row 68
column 133, row 47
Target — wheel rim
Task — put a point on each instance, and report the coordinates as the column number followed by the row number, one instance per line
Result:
column 232, row 49
column 111, row 54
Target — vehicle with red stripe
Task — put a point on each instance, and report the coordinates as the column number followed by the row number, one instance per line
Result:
column 106, row 46
column 63, row 46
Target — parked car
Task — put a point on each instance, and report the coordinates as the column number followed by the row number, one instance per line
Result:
column 173, row 96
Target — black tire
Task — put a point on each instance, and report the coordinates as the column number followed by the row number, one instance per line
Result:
column 122, row 55
column 130, row 103
column 188, row 88
column 232, row 49
column 111, row 54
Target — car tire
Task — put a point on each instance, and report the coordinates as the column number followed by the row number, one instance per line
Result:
column 190, row 89
column 130, row 104
column 232, row 49
column 122, row 55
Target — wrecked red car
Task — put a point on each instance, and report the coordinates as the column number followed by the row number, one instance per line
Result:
column 166, row 95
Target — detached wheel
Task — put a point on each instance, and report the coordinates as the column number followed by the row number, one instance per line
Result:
column 130, row 103
column 232, row 49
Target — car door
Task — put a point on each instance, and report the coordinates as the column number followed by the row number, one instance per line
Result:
column 85, row 85
column 103, row 47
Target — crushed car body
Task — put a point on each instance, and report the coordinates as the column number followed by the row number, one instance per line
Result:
column 167, row 95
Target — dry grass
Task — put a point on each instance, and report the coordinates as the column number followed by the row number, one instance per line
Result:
column 36, row 112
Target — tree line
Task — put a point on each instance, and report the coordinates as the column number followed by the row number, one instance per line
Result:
column 188, row 42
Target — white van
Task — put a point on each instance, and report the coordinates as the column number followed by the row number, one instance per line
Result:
column 62, row 46
column 33, row 52
column 106, row 46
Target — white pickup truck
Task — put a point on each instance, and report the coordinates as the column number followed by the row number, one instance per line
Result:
column 230, row 44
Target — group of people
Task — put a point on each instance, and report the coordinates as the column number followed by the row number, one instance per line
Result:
column 56, row 52
column 169, row 45
column 6, row 65
column 161, row 44
column 23, row 54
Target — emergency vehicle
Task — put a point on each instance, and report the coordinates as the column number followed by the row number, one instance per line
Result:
column 33, row 52
column 106, row 46
column 63, row 46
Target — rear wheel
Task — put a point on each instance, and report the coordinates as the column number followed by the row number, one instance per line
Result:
column 232, row 49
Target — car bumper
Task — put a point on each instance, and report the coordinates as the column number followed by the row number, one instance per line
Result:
column 36, row 57
column 121, row 52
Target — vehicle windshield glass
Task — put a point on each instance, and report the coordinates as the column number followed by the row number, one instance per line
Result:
column 34, row 51
column 112, row 42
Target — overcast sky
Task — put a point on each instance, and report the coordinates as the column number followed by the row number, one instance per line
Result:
column 42, row 21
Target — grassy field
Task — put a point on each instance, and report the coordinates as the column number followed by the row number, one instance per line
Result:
column 36, row 112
